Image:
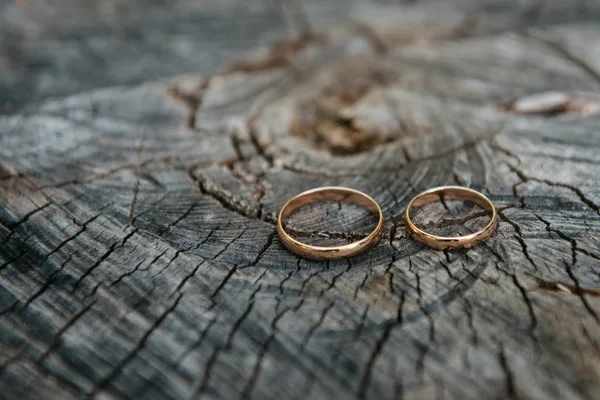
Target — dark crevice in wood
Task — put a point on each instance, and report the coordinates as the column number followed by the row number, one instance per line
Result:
column 581, row 293
column 13, row 226
column 187, row 277
column 22, row 251
column 508, row 373
column 258, row 146
column 446, row 222
column 588, row 253
column 348, row 236
column 572, row 242
column 287, row 278
column 192, row 100
column 362, row 284
column 317, row 325
column 223, row 283
column 136, row 269
column 112, row 171
column 496, row 146
column 366, row 378
column 388, row 272
column 117, row 244
column 469, row 312
column 249, row 387
column 195, row 345
column 58, row 336
column 576, row 190
column 331, row 284
column 534, row 320
column 236, row 146
column 222, row 198
column 447, row 254
column 263, row 250
column 229, row 243
column 518, row 237
column 138, row 346
column 202, row 385
column 18, row 355
column 50, row 279
column 178, row 219
column 447, row 269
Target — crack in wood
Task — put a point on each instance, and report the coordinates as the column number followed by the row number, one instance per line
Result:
column 524, row 178
column 114, row 246
column 201, row 385
column 57, row 339
column 191, row 99
column 364, row 382
column 112, row 171
column 102, row 384
column 530, row 309
column 314, row 327
column 50, row 279
column 518, row 237
column 509, row 375
column 581, row 292
column 136, row 269
column 13, row 226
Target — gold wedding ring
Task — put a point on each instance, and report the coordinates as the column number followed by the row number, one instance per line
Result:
column 329, row 193
column 450, row 242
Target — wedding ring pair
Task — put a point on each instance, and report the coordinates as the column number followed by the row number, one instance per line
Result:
column 343, row 194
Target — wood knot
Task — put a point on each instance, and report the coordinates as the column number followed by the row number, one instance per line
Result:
column 323, row 119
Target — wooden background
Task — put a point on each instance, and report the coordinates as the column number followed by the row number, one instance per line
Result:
column 146, row 147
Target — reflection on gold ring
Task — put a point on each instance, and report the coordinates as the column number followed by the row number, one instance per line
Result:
column 451, row 242
column 329, row 193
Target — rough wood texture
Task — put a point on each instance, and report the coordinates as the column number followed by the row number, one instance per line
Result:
column 138, row 254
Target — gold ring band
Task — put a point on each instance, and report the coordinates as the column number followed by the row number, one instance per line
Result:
column 450, row 242
column 329, row 193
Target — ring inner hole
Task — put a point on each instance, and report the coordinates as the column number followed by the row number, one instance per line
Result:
column 450, row 217
column 330, row 223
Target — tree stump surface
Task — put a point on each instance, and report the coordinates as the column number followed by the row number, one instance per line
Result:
column 138, row 254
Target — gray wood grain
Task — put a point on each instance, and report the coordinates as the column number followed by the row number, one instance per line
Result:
column 138, row 255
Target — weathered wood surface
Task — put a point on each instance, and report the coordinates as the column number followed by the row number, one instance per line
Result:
column 138, row 257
